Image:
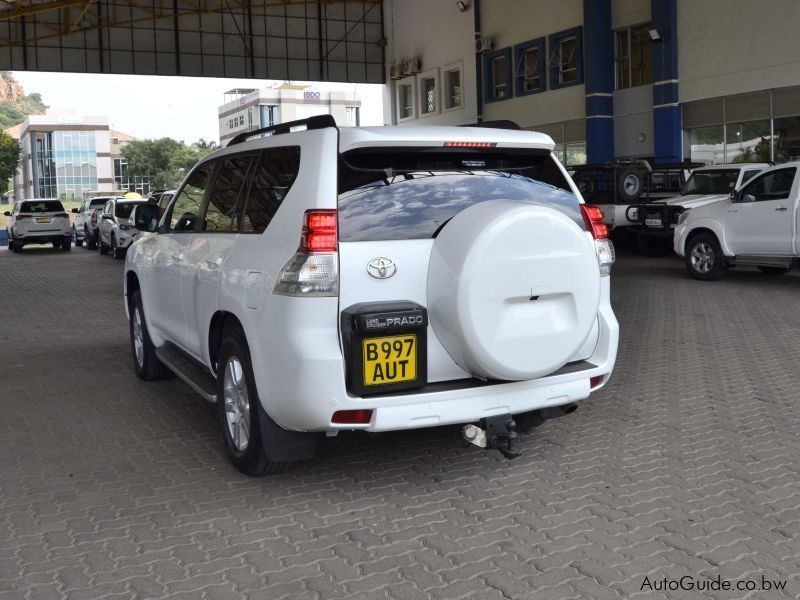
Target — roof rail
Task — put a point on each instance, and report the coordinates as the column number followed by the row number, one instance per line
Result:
column 499, row 124
column 316, row 122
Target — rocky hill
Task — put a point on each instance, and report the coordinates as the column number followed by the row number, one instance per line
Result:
column 15, row 105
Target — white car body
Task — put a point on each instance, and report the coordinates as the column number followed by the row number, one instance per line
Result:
column 188, row 280
column 38, row 221
column 745, row 172
column 115, row 232
column 83, row 225
column 759, row 226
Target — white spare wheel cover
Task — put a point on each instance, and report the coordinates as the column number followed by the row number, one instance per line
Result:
column 513, row 289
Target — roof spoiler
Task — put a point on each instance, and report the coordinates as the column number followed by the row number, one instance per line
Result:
column 499, row 124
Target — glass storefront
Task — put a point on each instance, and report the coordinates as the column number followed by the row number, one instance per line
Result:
column 748, row 142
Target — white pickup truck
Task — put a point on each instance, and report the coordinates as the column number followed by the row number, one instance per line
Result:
column 756, row 225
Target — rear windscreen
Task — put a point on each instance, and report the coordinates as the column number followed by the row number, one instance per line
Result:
column 41, row 206
column 98, row 202
column 411, row 194
column 124, row 210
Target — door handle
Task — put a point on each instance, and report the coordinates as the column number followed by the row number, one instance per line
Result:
column 178, row 256
column 733, row 210
column 214, row 262
column 781, row 208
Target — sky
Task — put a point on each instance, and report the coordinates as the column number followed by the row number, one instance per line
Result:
column 183, row 108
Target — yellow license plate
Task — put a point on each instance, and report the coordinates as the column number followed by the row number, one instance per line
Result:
column 390, row 359
column 42, row 220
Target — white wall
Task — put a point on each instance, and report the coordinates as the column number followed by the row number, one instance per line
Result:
column 512, row 22
column 441, row 36
column 731, row 47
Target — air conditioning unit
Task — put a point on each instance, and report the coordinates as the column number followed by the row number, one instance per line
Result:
column 411, row 66
column 484, row 44
column 396, row 72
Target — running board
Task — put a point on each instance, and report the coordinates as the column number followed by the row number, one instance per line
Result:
column 763, row 261
column 191, row 371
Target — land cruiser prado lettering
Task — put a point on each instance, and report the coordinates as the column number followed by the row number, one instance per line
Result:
column 309, row 279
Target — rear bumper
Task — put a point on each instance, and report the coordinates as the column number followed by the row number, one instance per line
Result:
column 652, row 233
column 39, row 238
column 303, row 384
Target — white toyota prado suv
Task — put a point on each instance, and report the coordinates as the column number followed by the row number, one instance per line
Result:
column 376, row 278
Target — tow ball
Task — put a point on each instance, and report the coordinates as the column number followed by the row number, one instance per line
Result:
column 495, row 433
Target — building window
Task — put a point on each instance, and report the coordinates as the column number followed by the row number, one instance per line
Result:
column 352, row 116
column 748, row 142
column 633, row 57
column 452, row 89
column 498, row 75
column 566, row 58
column 705, row 144
column 270, row 115
column 429, row 92
column 529, row 67
column 786, row 139
column 405, row 100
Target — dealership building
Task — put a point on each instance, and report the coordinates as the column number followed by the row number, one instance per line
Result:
column 708, row 81
column 246, row 109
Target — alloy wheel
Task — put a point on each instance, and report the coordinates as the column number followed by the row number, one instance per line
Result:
column 138, row 337
column 702, row 257
column 237, row 404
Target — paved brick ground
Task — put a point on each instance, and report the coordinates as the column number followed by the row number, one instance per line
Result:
column 686, row 464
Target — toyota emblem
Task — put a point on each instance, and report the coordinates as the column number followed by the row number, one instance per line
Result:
column 381, row 268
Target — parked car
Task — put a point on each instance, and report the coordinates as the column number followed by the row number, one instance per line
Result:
column 657, row 220
column 115, row 231
column 38, row 221
column 754, row 226
column 87, row 218
column 444, row 275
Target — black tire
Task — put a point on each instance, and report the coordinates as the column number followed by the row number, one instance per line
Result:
column 528, row 421
column 16, row 247
column 252, row 458
column 66, row 244
column 774, row 270
column 78, row 241
column 148, row 367
column 630, row 184
column 704, row 258
column 91, row 241
column 651, row 247
column 101, row 247
column 116, row 251
column 56, row 245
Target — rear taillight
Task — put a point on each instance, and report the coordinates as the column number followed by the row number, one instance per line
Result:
column 470, row 144
column 314, row 268
column 593, row 217
column 93, row 218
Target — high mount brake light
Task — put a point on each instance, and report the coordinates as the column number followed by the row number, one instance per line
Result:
column 314, row 268
column 593, row 217
column 470, row 144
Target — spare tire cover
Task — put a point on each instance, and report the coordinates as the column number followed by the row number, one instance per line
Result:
column 513, row 289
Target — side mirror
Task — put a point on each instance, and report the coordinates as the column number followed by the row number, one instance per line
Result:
column 145, row 217
column 7, row 214
column 108, row 217
column 732, row 196
column 74, row 211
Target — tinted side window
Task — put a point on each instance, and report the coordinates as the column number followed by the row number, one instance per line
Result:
column 274, row 174
column 189, row 201
column 221, row 213
column 775, row 185
column 748, row 175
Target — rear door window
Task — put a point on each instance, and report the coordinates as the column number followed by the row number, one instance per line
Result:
column 188, row 203
column 221, row 212
column 404, row 194
column 273, row 176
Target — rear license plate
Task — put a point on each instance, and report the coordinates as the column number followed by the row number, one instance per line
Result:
column 390, row 359
column 652, row 222
column 42, row 220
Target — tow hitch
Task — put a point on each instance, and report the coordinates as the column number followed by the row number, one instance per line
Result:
column 495, row 433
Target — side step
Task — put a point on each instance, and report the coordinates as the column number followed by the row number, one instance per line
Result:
column 192, row 372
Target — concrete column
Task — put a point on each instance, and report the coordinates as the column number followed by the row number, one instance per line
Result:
column 666, row 109
column 599, row 79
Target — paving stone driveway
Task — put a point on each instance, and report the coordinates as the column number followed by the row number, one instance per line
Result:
column 686, row 464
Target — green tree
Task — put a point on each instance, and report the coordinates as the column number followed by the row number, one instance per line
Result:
column 9, row 159
column 165, row 161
